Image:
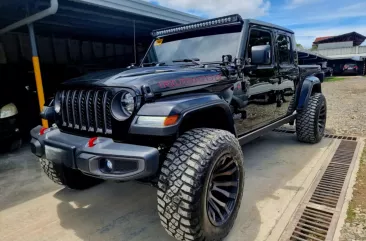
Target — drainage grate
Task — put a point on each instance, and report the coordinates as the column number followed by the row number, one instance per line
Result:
column 319, row 214
column 348, row 138
column 292, row 131
column 330, row 186
column 313, row 225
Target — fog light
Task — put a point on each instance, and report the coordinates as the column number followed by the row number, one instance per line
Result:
column 109, row 164
column 106, row 165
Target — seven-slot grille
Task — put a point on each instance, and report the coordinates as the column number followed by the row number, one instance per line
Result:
column 87, row 110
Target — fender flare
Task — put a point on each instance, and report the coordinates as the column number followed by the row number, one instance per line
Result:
column 308, row 86
column 184, row 106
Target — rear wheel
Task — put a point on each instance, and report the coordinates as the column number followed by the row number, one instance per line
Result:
column 66, row 176
column 310, row 122
column 201, row 185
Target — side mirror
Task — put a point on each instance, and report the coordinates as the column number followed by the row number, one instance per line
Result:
column 261, row 55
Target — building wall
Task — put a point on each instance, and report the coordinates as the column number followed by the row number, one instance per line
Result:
column 342, row 51
column 346, row 44
column 61, row 58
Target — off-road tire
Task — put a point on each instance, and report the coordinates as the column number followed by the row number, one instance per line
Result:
column 184, row 182
column 307, row 120
column 291, row 106
column 68, row 177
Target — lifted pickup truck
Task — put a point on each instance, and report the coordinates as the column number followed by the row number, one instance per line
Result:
column 179, row 119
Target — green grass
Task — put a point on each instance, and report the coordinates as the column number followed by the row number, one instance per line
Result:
column 359, row 191
column 333, row 79
column 351, row 214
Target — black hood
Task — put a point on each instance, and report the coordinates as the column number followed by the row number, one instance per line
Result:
column 159, row 79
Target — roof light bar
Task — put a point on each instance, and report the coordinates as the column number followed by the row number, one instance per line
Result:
column 232, row 19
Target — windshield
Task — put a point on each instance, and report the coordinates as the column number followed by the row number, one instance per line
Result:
column 205, row 45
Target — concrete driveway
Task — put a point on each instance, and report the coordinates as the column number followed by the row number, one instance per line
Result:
column 278, row 172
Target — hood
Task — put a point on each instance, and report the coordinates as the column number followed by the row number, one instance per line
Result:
column 159, row 79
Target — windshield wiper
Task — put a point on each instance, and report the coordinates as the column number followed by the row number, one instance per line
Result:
column 192, row 60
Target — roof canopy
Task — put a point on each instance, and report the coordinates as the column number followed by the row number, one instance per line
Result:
column 94, row 18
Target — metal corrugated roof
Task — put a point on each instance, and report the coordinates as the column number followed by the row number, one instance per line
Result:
column 145, row 9
column 94, row 18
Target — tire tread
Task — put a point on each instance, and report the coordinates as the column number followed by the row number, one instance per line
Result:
column 182, row 177
column 306, row 120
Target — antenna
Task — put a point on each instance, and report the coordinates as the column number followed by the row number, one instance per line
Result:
column 134, row 40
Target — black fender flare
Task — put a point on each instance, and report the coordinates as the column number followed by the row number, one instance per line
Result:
column 184, row 106
column 308, row 86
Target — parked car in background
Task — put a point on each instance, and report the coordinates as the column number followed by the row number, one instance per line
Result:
column 350, row 69
column 19, row 109
column 10, row 138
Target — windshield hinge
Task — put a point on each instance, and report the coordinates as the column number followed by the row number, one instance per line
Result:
column 148, row 94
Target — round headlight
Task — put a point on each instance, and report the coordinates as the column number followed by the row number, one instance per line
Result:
column 124, row 104
column 127, row 103
column 58, row 102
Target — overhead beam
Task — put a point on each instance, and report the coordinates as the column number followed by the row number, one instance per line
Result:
column 35, row 17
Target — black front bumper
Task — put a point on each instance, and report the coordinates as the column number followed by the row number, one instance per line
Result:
column 9, row 129
column 130, row 162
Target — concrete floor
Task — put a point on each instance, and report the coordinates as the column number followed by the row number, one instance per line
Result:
column 278, row 172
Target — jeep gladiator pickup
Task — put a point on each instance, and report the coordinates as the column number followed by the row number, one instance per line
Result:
column 178, row 120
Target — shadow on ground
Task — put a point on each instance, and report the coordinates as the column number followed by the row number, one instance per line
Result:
column 21, row 178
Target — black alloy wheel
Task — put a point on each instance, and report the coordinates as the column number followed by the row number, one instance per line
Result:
column 322, row 118
column 223, row 190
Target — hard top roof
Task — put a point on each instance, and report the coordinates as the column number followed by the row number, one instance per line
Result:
column 270, row 25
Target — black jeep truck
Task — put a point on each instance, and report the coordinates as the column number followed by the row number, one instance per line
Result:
column 179, row 119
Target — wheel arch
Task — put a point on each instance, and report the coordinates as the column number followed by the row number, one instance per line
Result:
column 217, row 115
column 308, row 87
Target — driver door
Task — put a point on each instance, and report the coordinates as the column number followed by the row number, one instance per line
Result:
column 259, row 83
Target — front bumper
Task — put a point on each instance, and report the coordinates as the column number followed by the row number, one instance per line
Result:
column 130, row 162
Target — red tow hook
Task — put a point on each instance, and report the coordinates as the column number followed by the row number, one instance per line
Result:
column 93, row 141
column 43, row 131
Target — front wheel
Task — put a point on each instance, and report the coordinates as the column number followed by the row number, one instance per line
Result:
column 201, row 185
column 310, row 122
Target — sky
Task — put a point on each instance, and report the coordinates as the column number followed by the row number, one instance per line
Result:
column 308, row 18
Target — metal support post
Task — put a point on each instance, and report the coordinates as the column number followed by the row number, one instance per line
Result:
column 37, row 71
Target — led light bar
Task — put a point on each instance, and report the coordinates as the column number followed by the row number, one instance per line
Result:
column 231, row 19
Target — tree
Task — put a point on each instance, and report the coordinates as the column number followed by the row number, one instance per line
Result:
column 299, row 46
